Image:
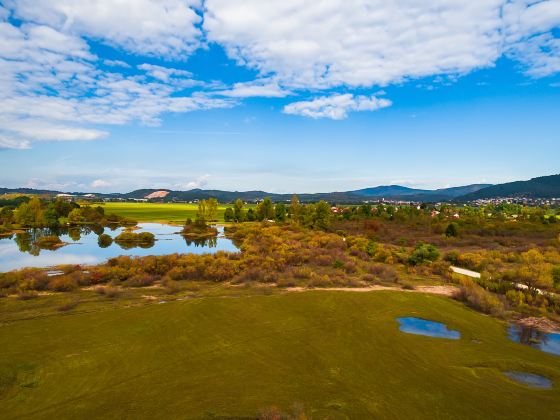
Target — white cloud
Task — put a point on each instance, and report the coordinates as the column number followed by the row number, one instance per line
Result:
column 336, row 106
column 328, row 43
column 116, row 63
column 100, row 183
column 164, row 73
column 199, row 182
column 165, row 28
column 356, row 42
column 51, row 87
column 528, row 35
column 13, row 143
column 260, row 87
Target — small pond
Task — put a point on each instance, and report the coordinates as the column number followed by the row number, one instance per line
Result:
column 530, row 379
column 18, row 250
column 419, row 326
column 547, row 342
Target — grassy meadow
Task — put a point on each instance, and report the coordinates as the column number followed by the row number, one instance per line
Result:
column 337, row 355
column 157, row 212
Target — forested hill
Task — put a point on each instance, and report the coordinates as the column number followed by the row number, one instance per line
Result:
column 541, row 187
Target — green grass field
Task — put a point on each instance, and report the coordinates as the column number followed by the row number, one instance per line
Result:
column 157, row 212
column 338, row 354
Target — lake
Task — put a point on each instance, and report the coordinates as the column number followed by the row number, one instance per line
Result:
column 19, row 251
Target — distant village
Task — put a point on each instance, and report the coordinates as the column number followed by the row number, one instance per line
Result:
column 159, row 196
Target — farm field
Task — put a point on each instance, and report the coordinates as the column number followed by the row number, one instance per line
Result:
column 336, row 355
column 157, row 212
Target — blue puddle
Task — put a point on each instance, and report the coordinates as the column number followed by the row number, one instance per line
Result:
column 549, row 343
column 530, row 379
column 419, row 326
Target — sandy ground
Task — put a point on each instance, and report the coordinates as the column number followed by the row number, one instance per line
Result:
column 445, row 290
column 543, row 324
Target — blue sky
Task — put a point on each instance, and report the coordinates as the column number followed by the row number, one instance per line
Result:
column 293, row 97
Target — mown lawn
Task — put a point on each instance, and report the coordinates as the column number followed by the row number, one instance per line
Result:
column 338, row 354
column 157, row 212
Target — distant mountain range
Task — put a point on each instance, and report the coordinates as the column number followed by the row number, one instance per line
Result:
column 542, row 187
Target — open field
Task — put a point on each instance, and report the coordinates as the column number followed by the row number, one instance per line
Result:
column 157, row 212
column 339, row 355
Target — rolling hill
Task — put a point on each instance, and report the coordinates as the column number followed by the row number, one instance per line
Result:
column 541, row 187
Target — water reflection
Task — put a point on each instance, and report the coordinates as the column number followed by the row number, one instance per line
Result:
column 530, row 336
column 530, row 379
column 420, row 326
column 94, row 244
column 206, row 242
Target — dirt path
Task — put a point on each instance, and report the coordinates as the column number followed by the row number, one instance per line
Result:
column 445, row 290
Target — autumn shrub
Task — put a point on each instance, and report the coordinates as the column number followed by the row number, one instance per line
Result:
column 171, row 286
column 63, row 284
column 108, row 291
column 140, row 280
column 26, row 294
column 480, row 299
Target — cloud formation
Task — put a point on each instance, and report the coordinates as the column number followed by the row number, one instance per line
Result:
column 162, row 28
column 54, row 88
column 328, row 43
column 337, row 106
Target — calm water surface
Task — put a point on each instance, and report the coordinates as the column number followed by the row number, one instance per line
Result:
column 424, row 327
column 549, row 343
column 530, row 379
column 18, row 250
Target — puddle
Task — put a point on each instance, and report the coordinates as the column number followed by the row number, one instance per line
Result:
column 530, row 336
column 530, row 379
column 430, row 328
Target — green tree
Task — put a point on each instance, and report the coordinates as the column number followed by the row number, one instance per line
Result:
column 229, row 215
column 75, row 216
column 265, row 210
column 423, row 253
column 30, row 214
column 295, row 209
column 322, row 215
column 251, row 216
column 452, row 230
column 238, row 211
column 535, row 272
column 280, row 212
column 556, row 276
column 211, row 209
column 201, row 212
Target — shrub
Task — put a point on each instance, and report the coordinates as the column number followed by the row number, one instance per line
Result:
column 140, row 280
column 482, row 300
column 423, row 253
column 110, row 292
column 62, row 284
column 452, row 230
column 26, row 294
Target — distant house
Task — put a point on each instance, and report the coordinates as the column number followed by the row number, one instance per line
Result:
column 435, row 213
column 465, row 272
column 66, row 197
column 456, row 216
column 335, row 210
